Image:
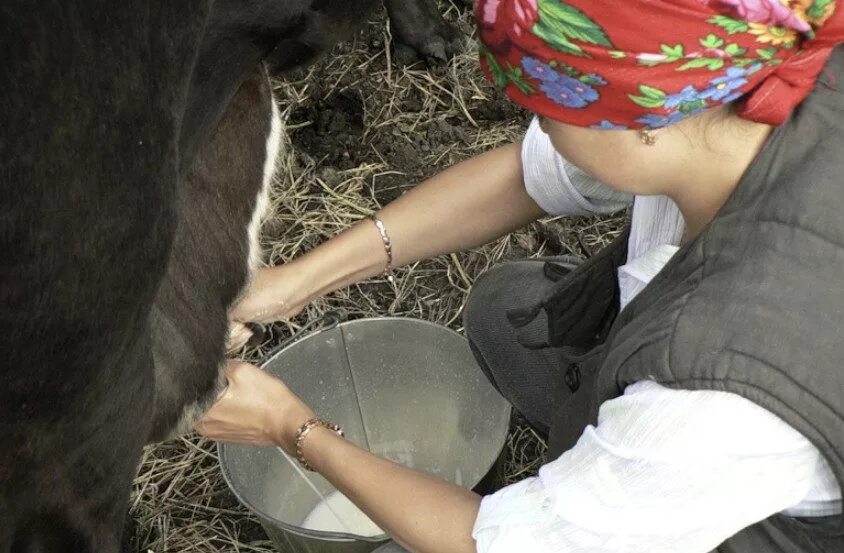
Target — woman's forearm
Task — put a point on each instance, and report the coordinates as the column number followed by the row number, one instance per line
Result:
column 423, row 513
column 463, row 207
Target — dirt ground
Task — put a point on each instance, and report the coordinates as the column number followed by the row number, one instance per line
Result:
column 361, row 132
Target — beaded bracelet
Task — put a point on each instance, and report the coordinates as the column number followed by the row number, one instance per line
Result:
column 304, row 430
column 388, row 245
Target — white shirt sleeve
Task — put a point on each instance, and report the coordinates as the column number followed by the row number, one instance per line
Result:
column 664, row 471
column 559, row 187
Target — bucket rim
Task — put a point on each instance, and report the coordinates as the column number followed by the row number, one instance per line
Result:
column 340, row 536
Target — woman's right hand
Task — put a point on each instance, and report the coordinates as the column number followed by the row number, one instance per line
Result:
column 276, row 294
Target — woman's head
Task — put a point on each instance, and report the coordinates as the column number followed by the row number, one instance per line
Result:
column 709, row 77
column 653, row 63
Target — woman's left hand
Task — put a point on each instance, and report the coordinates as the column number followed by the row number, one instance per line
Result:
column 256, row 408
column 421, row 511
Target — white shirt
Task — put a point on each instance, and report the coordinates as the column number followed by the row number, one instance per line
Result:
column 664, row 470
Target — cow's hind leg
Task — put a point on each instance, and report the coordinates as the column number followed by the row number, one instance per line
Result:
column 420, row 32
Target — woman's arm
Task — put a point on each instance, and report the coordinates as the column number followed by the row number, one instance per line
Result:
column 664, row 470
column 463, row 207
column 423, row 513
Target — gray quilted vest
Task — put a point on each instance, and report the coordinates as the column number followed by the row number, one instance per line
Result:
column 754, row 305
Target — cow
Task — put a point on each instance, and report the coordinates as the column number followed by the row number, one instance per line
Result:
column 138, row 141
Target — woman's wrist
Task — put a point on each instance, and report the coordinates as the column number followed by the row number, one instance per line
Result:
column 284, row 428
column 286, row 438
column 314, row 445
column 308, row 277
column 348, row 258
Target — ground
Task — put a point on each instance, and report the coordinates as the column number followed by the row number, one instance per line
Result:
column 362, row 131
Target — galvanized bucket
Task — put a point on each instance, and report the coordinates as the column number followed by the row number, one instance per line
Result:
column 406, row 389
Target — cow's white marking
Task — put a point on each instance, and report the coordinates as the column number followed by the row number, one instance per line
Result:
column 262, row 205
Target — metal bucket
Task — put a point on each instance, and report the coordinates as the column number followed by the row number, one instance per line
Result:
column 405, row 389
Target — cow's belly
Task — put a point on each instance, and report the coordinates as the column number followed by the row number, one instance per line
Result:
column 222, row 203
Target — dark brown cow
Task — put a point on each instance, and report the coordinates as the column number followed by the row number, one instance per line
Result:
column 137, row 142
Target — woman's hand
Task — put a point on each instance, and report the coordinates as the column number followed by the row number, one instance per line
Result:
column 276, row 294
column 420, row 511
column 257, row 409
column 239, row 335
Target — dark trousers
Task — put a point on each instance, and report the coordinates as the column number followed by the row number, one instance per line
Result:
column 532, row 380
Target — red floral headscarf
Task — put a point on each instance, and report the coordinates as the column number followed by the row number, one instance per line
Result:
column 618, row 64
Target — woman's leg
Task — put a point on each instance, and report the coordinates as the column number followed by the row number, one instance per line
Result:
column 530, row 379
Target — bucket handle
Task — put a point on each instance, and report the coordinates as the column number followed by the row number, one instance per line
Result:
column 327, row 321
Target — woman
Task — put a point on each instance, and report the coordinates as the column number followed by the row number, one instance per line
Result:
column 689, row 375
